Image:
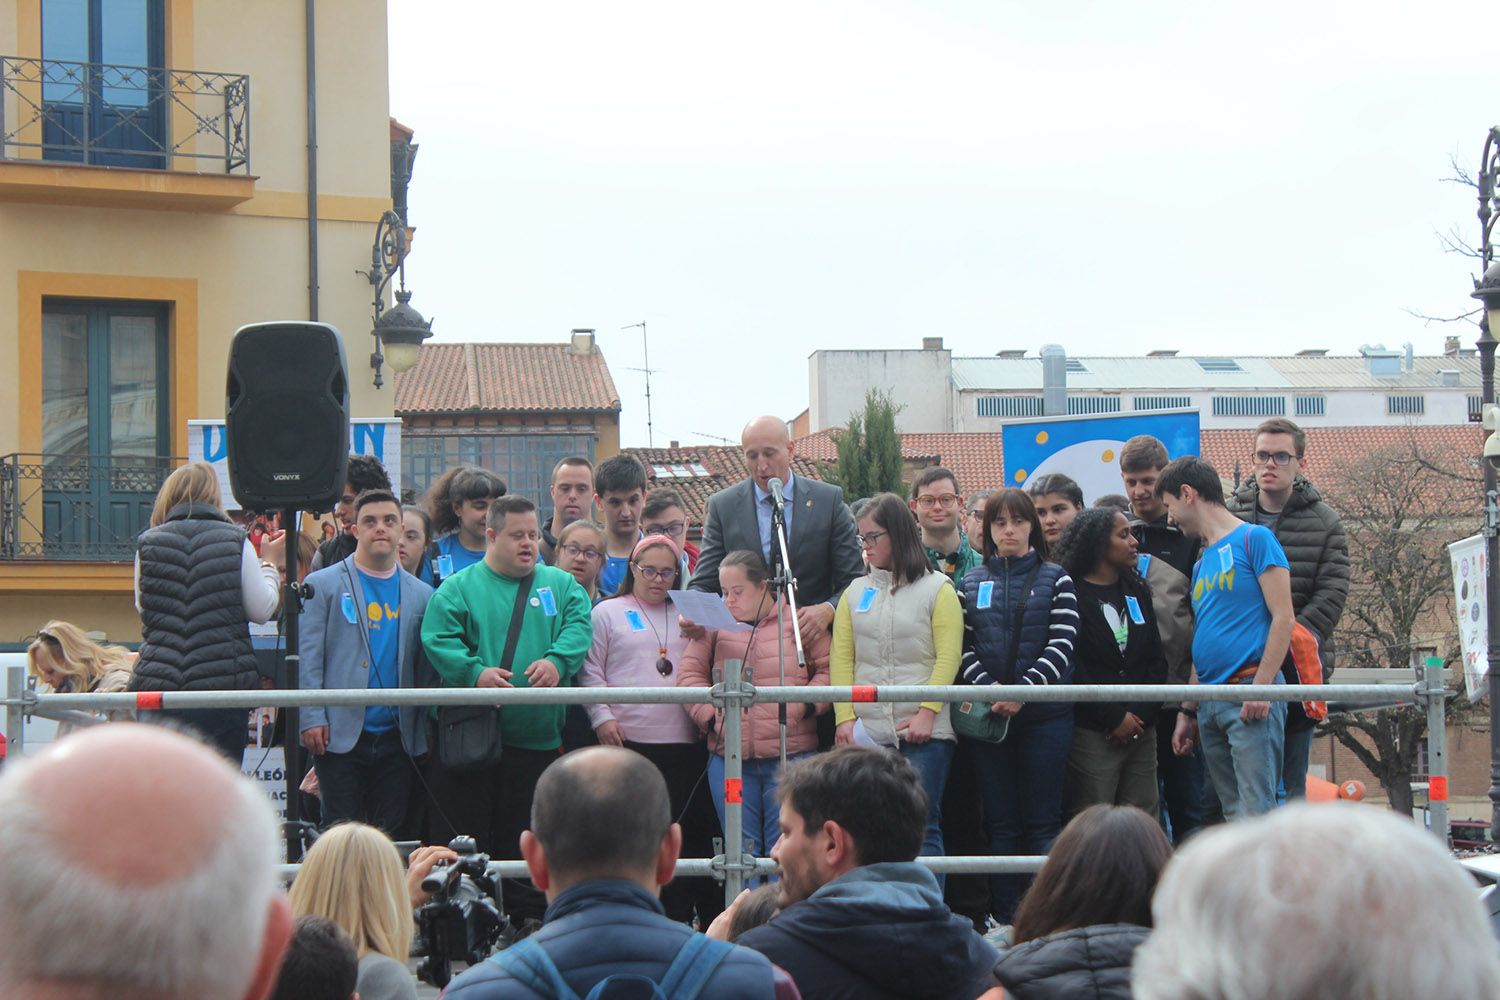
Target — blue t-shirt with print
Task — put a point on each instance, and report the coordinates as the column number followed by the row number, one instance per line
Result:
column 1232, row 621
column 462, row 556
column 383, row 615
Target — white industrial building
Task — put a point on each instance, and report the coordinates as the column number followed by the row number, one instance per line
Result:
column 939, row 393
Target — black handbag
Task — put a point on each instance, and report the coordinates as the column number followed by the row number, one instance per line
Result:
column 973, row 719
column 468, row 736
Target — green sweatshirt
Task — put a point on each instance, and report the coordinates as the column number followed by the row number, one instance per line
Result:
column 463, row 632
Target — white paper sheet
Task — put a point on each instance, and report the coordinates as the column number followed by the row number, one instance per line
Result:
column 708, row 610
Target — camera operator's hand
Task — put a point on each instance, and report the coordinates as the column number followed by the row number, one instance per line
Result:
column 316, row 740
column 543, row 674
column 423, row 859
column 493, row 677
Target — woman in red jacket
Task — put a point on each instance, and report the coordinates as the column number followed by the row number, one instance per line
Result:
column 743, row 578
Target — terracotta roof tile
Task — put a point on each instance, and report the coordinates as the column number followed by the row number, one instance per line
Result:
column 500, row 378
column 724, row 466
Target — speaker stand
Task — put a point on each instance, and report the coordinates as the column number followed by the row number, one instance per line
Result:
column 292, row 594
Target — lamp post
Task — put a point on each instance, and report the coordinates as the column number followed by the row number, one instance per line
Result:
column 1487, row 290
column 400, row 330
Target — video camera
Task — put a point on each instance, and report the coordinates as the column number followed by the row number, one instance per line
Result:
column 462, row 921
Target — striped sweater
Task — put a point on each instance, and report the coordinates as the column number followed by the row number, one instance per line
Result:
column 1048, row 622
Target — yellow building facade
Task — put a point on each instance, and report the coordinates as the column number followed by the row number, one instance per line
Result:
column 154, row 179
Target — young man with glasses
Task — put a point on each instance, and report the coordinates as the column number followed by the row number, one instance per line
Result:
column 1280, row 497
column 572, row 492
column 938, row 504
column 665, row 514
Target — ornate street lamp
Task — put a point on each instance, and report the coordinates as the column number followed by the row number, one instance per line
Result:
column 400, row 330
column 1487, row 290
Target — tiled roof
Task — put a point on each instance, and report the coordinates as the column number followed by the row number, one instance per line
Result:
column 724, row 465
column 977, row 459
column 506, row 378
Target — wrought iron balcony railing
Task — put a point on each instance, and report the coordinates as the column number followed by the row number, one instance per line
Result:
column 76, row 507
column 124, row 116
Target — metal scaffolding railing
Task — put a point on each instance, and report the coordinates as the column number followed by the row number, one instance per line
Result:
column 734, row 867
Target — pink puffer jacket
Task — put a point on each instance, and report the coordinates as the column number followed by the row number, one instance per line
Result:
column 703, row 666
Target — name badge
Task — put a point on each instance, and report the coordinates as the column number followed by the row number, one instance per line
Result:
column 633, row 619
column 444, row 566
column 549, row 603
column 351, row 613
column 1133, row 606
column 1226, row 558
column 866, row 600
column 986, row 593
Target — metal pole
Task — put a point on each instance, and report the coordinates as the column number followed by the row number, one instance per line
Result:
column 1486, row 345
column 1437, row 747
column 734, row 776
column 15, row 710
column 291, row 610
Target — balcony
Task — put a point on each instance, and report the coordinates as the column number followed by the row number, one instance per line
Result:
column 78, row 508
column 170, row 138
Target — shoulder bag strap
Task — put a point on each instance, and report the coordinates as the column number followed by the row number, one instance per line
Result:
column 517, row 617
column 694, row 966
column 530, row 965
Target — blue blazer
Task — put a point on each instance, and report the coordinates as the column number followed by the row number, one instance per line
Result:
column 335, row 654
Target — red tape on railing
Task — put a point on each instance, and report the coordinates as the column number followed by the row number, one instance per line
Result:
column 1437, row 788
column 733, row 790
column 148, row 700
column 864, row 692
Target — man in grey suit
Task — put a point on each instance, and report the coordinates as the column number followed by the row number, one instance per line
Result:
column 821, row 538
column 363, row 629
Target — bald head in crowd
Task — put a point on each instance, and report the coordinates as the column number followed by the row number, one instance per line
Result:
column 137, row 864
column 569, row 842
column 768, row 450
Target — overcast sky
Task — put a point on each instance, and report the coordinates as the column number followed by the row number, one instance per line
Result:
column 758, row 181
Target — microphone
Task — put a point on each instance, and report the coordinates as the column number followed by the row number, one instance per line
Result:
column 777, row 500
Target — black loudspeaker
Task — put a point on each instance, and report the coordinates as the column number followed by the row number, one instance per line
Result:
column 286, row 417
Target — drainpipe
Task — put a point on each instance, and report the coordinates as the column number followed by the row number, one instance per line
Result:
column 312, row 165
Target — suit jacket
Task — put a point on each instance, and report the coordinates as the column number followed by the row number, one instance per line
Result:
column 335, row 654
column 824, row 544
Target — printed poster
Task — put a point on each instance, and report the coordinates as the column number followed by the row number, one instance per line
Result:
column 378, row 436
column 1469, row 595
column 1088, row 448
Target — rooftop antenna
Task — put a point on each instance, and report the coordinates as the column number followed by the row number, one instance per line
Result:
column 714, row 437
column 648, row 370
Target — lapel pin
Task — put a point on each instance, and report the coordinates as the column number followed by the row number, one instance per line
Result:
column 807, row 503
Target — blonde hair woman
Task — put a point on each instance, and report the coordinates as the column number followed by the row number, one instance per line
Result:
column 198, row 585
column 352, row 875
column 64, row 658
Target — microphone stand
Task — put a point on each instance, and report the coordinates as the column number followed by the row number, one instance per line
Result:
column 786, row 584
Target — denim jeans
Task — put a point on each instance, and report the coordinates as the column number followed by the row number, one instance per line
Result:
column 1295, row 760
column 760, row 812
column 1021, row 784
column 931, row 761
column 371, row 782
column 1244, row 759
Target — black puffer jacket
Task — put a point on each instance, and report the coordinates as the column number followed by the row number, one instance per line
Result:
column 194, row 632
column 1088, row 963
column 1312, row 536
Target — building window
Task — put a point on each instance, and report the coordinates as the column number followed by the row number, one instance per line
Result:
column 1162, row 402
column 1476, row 409
column 524, row 461
column 1219, row 364
column 103, row 82
column 1075, row 367
column 1311, row 406
column 1249, row 406
column 1405, row 406
column 1009, row 406
column 688, row 470
column 106, row 422
column 1080, row 405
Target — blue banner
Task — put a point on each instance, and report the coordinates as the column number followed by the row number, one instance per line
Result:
column 1088, row 448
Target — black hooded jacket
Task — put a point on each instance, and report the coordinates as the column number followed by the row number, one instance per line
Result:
column 880, row 932
column 1087, row 963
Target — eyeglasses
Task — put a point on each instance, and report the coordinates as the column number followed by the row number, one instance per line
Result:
column 1278, row 457
column 976, row 514
column 670, row 530
column 869, row 539
column 947, row 501
column 592, row 555
column 652, row 573
column 664, row 665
